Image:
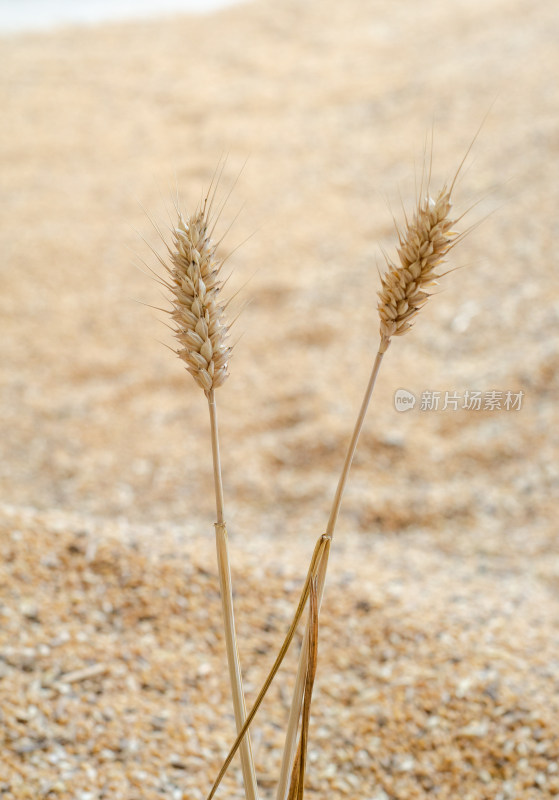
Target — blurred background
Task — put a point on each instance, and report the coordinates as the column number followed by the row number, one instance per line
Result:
column 322, row 113
column 330, row 110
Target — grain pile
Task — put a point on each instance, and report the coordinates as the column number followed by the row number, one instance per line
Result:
column 438, row 654
column 113, row 677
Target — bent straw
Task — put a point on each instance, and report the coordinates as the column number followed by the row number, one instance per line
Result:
column 297, row 787
column 321, row 546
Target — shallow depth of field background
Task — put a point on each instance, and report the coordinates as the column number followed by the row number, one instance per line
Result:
column 322, row 110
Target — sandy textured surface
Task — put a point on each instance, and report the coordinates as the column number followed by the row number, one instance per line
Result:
column 439, row 652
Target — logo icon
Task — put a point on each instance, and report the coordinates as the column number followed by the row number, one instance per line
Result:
column 403, row 400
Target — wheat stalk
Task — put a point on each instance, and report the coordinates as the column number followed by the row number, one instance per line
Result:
column 423, row 247
column 297, row 785
column 322, row 544
column 200, row 329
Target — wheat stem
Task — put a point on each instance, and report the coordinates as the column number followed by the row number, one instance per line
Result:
column 352, row 446
column 297, row 787
column 200, row 329
column 224, row 570
column 424, row 245
column 218, row 483
column 322, row 544
column 296, row 703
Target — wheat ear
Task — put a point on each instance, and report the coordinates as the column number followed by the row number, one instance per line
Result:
column 202, row 335
column 423, row 246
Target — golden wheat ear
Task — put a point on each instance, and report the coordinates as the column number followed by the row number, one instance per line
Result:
column 424, row 245
column 197, row 310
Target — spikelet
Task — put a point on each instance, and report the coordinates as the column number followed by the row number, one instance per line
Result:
column 424, row 245
column 197, row 312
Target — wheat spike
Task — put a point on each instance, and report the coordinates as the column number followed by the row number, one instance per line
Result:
column 197, row 312
column 202, row 334
column 424, row 245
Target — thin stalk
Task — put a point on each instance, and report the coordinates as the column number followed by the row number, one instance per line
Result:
column 296, row 703
column 224, row 569
column 322, row 544
column 218, row 483
column 297, row 787
column 353, row 446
